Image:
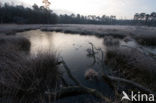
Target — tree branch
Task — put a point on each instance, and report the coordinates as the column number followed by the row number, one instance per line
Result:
column 80, row 89
column 117, row 79
column 70, row 74
column 77, row 90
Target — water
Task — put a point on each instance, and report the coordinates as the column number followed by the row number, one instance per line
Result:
column 72, row 47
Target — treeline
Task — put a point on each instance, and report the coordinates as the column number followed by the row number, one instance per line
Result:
column 140, row 19
column 40, row 15
column 20, row 14
column 145, row 19
column 90, row 19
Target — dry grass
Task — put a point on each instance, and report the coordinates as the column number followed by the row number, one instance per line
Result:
column 110, row 41
column 24, row 79
column 97, row 30
column 133, row 64
column 16, row 42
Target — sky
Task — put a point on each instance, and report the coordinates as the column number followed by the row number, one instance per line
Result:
column 121, row 8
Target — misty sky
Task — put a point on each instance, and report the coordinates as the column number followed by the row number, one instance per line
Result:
column 120, row 8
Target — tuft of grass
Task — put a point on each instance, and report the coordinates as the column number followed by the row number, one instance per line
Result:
column 127, row 39
column 16, row 42
column 110, row 41
column 133, row 64
column 26, row 79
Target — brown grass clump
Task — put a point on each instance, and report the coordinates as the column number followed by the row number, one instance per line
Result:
column 110, row 41
column 24, row 79
column 16, row 42
column 134, row 64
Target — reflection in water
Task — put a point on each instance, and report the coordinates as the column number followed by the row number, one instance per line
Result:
column 72, row 47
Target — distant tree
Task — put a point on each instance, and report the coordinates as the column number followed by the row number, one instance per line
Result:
column 35, row 7
column 20, row 14
column 145, row 19
column 41, row 15
column 142, row 16
column 153, row 15
column 136, row 16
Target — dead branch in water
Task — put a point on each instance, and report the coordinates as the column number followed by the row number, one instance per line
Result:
column 77, row 90
column 138, row 86
column 93, row 53
column 80, row 89
column 110, row 79
column 70, row 74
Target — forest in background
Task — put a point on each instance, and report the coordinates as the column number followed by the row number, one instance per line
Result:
column 41, row 15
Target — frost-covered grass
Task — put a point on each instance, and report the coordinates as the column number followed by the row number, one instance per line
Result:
column 98, row 30
column 11, row 29
column 143, row 35
column 101, row 29
column 134, row 64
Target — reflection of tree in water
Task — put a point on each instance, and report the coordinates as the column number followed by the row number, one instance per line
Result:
column 49, row 38
column 42, row 42
column 46, row 42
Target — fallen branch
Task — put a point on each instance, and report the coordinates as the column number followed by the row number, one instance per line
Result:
column 138, row 86
column 64, row 82
column 111, row 84
column 80, row 89
column 77, row 90
column 70, row 74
